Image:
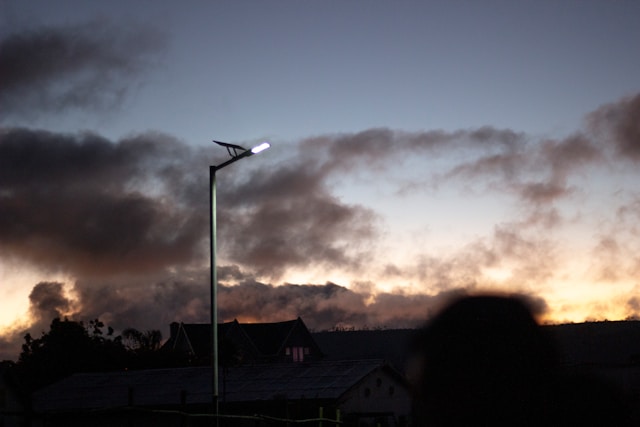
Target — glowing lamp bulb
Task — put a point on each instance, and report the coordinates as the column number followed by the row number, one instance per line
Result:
column 261, row 147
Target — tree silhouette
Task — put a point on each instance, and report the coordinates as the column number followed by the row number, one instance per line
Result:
column 142, row 342
column 145, row 350
column 67, row 348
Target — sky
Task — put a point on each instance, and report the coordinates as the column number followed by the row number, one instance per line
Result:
column 419, row 151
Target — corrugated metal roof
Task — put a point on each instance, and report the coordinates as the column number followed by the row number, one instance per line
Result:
column 160, row 387
column 321, row 380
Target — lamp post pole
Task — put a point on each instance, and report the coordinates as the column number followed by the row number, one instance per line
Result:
column 236, row 152
column 214, row 291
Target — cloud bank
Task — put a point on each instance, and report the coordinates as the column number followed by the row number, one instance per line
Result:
column 128, row 218
column 89, row 66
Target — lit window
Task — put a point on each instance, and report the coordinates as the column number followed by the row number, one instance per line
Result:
column 298, row 354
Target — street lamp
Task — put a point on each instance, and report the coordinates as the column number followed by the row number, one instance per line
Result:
column 236, row 152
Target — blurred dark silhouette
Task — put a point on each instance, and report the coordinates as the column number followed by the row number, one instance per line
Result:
column 484, row 361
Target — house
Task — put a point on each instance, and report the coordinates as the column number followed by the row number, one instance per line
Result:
column 271, row 371
column 241, row 343
column 358, row 392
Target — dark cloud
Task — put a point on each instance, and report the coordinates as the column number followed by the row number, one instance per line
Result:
column 140, row 203
column 322, row 306
column 148, row 304
column 142, row 302
column 89, row 206
column 618, row 124
column 532, row 253
column 439, row 273
column 47, row 301
column 299, row 222
column 89, row 66
column 633, row 306
column 294, row 222
column 539, row 192
column 536, row 172
column 504, row 165
column 124, row 304
column 401, row 310
column 328, row 306
column 548, row 217
column 94, row 207
column 614, row 255
column 569, row 154
column 524, row 258
column 385, row 149
column 560, row 158
column 630, row 211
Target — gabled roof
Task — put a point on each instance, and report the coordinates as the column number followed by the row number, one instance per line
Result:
column 194, row 336
column 166, row 387
column 271, row 338
column 267, row 339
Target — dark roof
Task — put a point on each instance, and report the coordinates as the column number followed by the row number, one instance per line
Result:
column 392, row 345
column 102, row 390
column 319, row 380
column 199, row 336
column 166, row 387
column 269, row 337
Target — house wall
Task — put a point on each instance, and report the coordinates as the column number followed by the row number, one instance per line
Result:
column 377, row 394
